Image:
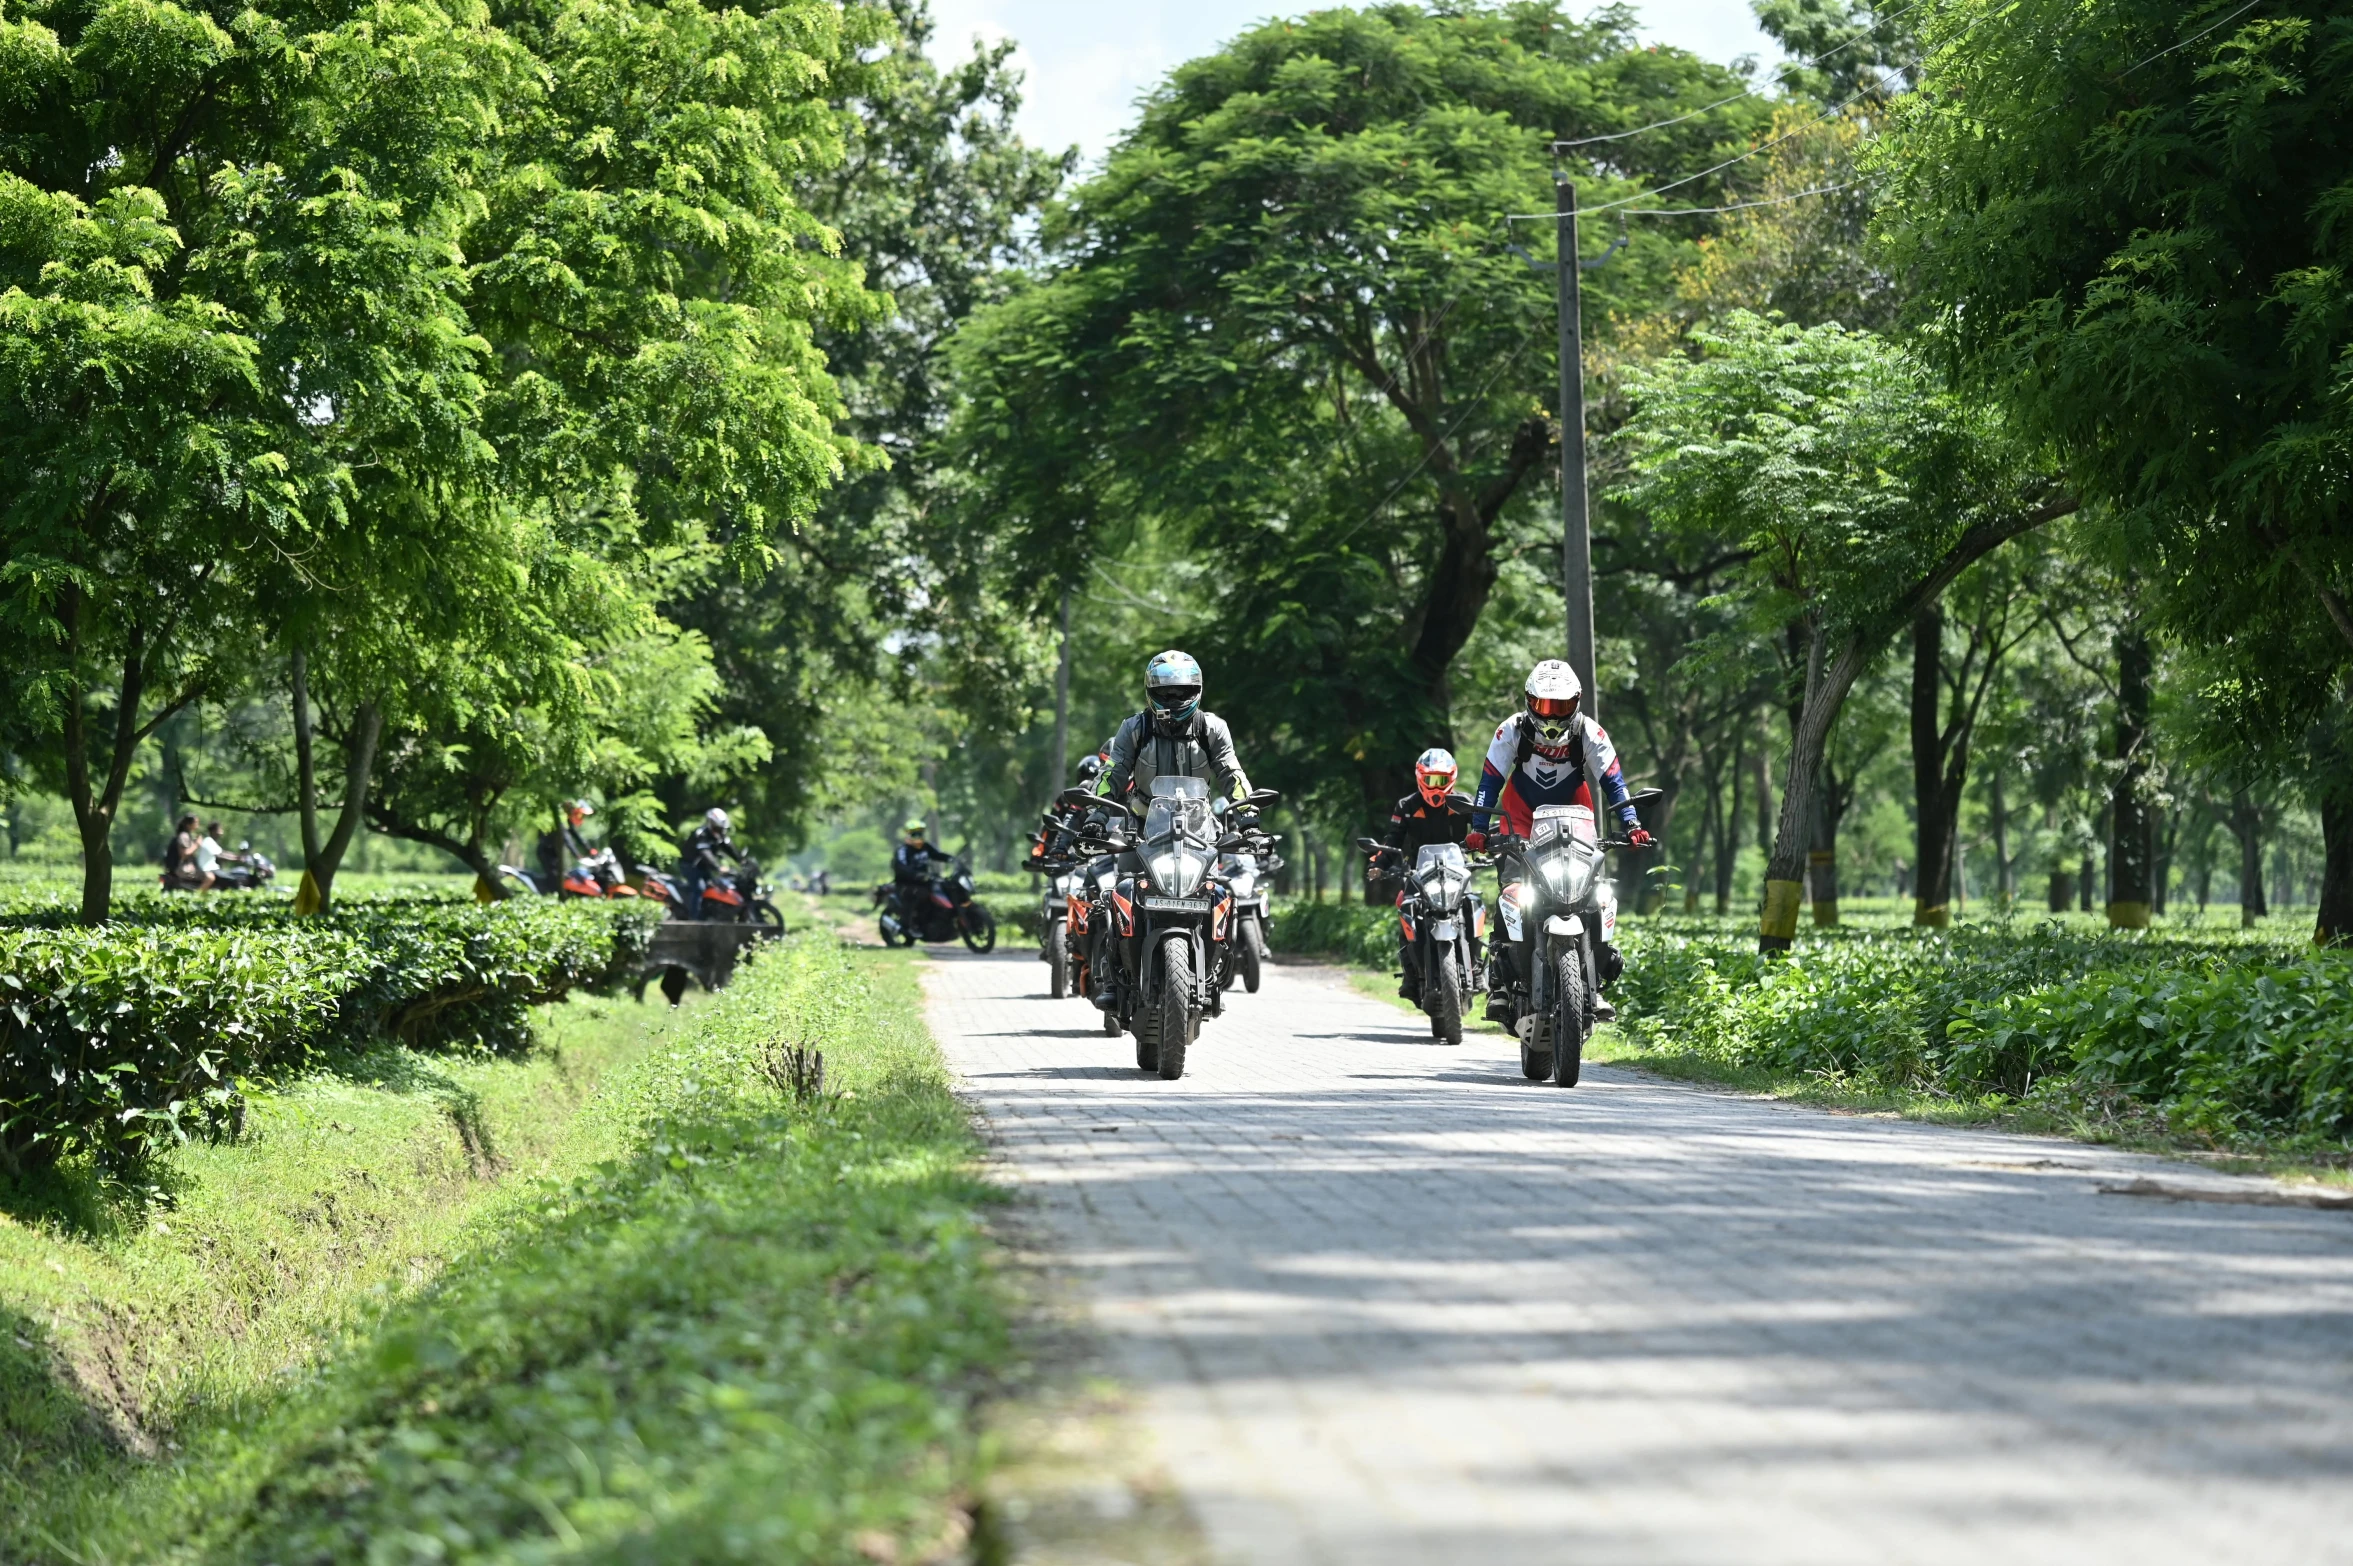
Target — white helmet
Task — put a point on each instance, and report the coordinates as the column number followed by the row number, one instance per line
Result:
column 1552, row 693
column 716, row 820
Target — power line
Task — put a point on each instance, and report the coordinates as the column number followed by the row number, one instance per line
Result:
column 1430, row 448
column 1746, row 92
column 1739, row 206
column 2191, row 39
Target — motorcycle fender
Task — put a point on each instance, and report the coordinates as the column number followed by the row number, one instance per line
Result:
column 1568, row 925
column 1447, row 929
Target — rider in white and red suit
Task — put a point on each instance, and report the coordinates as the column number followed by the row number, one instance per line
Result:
column 1548, row 753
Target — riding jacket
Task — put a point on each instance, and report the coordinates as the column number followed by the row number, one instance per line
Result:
column 1140, row 753
column 1521, row 775
column 1416, row 823
column 913, row 861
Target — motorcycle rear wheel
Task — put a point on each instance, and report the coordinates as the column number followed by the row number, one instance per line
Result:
column 1535, row 1064
column 1445, row 1003
column 1057, row 959
column 983, row 939
column 1175, row 1006
column 1568, row 1020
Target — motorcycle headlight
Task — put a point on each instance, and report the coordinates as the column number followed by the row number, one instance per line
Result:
column 1557, row 873
column 1164, row 871
column 1244, row 884
column 1190, row 870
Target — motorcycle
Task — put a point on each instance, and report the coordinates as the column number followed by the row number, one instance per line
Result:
column 243, row 871
column 1174, row 925
column 738, row 897
column 1250, row 872
column 1054, row 922
column 1558, row 947
column 1445, row 925
column 944, row 911
column 599, row 875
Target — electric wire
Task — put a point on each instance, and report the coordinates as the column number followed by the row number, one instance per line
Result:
column 2191, row 39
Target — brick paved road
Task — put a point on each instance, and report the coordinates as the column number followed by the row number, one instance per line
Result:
column 1384, row 1301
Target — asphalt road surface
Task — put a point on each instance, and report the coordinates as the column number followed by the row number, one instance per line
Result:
column 1382, row 1300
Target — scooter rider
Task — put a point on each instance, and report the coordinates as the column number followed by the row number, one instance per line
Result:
column 704, row 850
column 1172, row 737
column 1433, row 813
column 1550, row 753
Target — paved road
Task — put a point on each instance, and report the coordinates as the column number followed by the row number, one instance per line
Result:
column 1384, row 1301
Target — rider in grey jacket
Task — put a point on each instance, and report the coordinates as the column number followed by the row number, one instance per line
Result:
column 1171, row 736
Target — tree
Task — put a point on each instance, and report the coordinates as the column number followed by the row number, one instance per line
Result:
column 1855, row 492
column 2124, row 219
column 1284, row 324
column 227, row 295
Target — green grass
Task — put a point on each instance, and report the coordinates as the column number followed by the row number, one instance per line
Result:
column 140, row 1321
column 752, row 1333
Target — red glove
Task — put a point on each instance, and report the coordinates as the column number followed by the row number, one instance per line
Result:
column 1640, row 839
column 1475, row 842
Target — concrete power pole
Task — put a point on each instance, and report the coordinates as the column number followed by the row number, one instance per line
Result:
column 1576, row 542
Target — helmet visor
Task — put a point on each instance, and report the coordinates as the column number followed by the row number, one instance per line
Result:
column 1435, row 785
column 1174, row 700
column 1559, row 709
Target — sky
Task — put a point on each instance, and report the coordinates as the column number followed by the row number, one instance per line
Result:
column 1088, row 60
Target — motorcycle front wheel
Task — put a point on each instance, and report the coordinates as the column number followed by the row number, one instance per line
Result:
column 984, row 937
column 1246, row 958
column 768, row 917
column 1177, row 1020
column 1445, row 1002
column 1568, row 1020
column 1057, row 959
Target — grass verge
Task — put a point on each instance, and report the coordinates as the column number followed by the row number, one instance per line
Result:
column 141, row 1321
column 753, row 1335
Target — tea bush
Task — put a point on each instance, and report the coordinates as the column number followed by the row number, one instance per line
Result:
column 2228, row 1032
column 118, row 1037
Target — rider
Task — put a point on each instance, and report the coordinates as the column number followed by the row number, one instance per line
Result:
column 911, row 864
column 1432, row 813
column 1171, row 737
column 703, row 852
column 1550, row 753
column 1060, row 822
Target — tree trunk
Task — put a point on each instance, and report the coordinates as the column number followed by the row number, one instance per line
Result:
column 321, row 860
column 1830, row 800
column 2334, row 926
column 2246, row 825
column 1825, row 698
column 1728, row 840
column 1061, row 779
column 1998, row 817
column 95, row 809
column 1935, row 790
column 2130, row 849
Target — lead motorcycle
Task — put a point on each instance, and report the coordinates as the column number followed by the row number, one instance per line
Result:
column 1558, row 945
column 1173, row 927
column 1444, row 924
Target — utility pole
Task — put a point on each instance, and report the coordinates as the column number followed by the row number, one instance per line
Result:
column 1062, row 705
column 1576, row 542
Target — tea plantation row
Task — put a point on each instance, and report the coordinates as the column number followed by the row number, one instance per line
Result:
column 2227, row 1035
column 120, row 1038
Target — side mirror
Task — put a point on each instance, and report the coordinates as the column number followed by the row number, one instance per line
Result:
column 1076, row 796
column 1232, row 843
column 1261, row 797
column 1368, row 845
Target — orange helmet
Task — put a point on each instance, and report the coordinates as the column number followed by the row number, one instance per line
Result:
column 1434, row 773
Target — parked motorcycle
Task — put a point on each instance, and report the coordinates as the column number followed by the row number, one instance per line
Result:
column 599, row 875
column 944, row 911
column 1557, row 949
column 1444, row 924
column 739, row 897
column 1174, row 924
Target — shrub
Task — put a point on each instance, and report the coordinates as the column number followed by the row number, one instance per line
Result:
column 119, row 1038
column 1364, row 933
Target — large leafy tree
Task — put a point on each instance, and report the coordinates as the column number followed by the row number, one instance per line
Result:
column 1855, row 493
column 2127, row 221
column 1285, row 327
column 229, row 318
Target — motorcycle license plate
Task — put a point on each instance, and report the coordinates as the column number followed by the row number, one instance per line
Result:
column 1177, row 904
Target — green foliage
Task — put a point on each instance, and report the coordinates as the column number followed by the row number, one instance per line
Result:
column 755, row 1337
column 123, row 1038
column 1286, row 329
column 1363, row 933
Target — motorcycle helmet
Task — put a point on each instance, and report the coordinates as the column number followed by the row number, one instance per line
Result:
column 578, row 810
column 1089, row 769
column 1434, row 773
column 913, row 831
column 1172, row 690
column 1552, row 694
column 716, row 820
